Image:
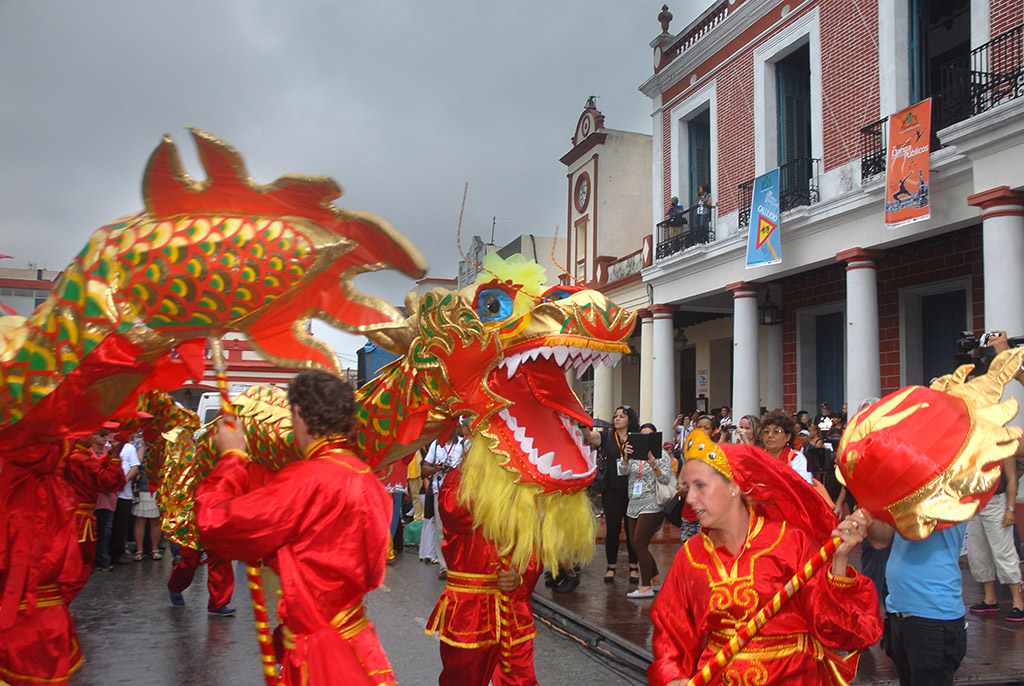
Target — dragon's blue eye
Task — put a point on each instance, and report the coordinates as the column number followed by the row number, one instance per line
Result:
column 494, row 304
column 554, row 295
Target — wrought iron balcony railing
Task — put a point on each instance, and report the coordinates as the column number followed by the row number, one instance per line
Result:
column 696, row 228
column 990, row 75
column 872, row 149
column 799, row 187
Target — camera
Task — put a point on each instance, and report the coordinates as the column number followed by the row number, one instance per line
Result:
column 978, row 352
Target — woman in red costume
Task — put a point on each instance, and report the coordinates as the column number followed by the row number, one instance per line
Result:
column 322, row 524
column 483, row 616
column 760, row 522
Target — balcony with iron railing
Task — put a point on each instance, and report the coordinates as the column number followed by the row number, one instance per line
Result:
column 798, row 181
column 970, row 85
column 696, row 226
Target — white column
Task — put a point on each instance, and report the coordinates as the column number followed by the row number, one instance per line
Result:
column 746, row 377
column 863, row 363
column 604, row 392
column 772, row 345
column 646, row 364
column 1002, row 246
column 663, row 402
column 893, row 65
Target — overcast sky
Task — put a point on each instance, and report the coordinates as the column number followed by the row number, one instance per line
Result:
column 400, row 102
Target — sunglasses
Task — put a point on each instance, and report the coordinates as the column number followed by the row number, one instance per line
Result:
column 773, row 431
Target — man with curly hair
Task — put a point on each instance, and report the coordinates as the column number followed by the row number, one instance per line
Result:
column 322, row 524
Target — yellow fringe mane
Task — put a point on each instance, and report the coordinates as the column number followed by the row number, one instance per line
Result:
column 521, row 520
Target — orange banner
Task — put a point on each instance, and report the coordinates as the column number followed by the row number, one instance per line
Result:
column 906, row 165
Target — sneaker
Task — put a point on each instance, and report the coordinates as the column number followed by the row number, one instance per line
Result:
column 649, row 593
column 984, row 608
column 1016, row 615
column 222, row 611
column 103, row 568
column 442, row 575
column 177, row 599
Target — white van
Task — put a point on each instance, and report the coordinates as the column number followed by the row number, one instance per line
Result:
column 209, row 406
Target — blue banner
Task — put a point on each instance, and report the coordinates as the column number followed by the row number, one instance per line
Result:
column 764, row 244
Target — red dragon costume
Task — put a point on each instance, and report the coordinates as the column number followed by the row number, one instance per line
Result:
column 132, row 313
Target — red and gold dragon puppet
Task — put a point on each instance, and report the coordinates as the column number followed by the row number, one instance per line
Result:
column 497, row 352
column 131, row 313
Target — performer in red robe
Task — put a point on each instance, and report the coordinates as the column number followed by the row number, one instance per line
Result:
column 760, row 522
column 322, row 524
column 38, row 556
column 483, row 616
column 89, row 475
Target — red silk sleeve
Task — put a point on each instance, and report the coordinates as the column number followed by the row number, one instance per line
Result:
column 245, row 526
column 844, row 611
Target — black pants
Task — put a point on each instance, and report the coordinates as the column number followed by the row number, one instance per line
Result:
column 927, row 651
column 615, row 501
column 122, row 522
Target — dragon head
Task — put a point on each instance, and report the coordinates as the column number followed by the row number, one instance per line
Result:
column 503, row 346
column 497, row 352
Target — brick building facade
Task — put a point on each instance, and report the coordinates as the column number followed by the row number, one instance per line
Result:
column 853, row 309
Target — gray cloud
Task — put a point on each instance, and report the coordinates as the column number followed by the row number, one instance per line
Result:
column 401, row 102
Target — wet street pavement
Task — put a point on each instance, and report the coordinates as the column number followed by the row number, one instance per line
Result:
column 131, row 634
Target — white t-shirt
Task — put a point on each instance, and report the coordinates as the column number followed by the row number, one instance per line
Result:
column 444, row 455
column 799, row 465
column 129, row 459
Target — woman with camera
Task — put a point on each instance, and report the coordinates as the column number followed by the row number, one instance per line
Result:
column 644, row 514
column 614, row 491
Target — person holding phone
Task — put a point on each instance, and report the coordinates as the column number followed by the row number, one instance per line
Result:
column 615, row 494
column 644, row 514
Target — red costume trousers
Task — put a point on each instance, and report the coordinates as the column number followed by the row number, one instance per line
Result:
column 478, row 666
column 220, row 578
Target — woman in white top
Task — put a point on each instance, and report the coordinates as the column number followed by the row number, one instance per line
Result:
column 644, row 515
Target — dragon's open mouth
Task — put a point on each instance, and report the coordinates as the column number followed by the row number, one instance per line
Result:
column 555, row 454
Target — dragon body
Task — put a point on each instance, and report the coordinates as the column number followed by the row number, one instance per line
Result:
column 204, row 258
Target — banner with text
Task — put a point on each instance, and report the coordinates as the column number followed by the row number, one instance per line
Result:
column 764, row 245
column 906, row 165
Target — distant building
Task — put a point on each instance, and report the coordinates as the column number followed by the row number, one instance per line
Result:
column 23, row 290
column 609, row 241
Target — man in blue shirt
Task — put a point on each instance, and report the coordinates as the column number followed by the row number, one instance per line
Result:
column 925, row 605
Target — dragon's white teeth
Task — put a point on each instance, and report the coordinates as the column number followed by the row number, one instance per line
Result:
column 545, row 352
column 556, row 472
column 519, row 433
column 613, row 359
column 545, row 461
column 510, row 421
column 526, row 444
column 561, row 355
column 512, row 364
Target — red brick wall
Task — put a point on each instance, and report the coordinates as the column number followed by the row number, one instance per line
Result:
column 819, row 287
column 951, row 256
column 1005, row 15
column 849, row 65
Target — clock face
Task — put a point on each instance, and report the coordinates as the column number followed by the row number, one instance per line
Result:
column 585, row 126
column 582, row 192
